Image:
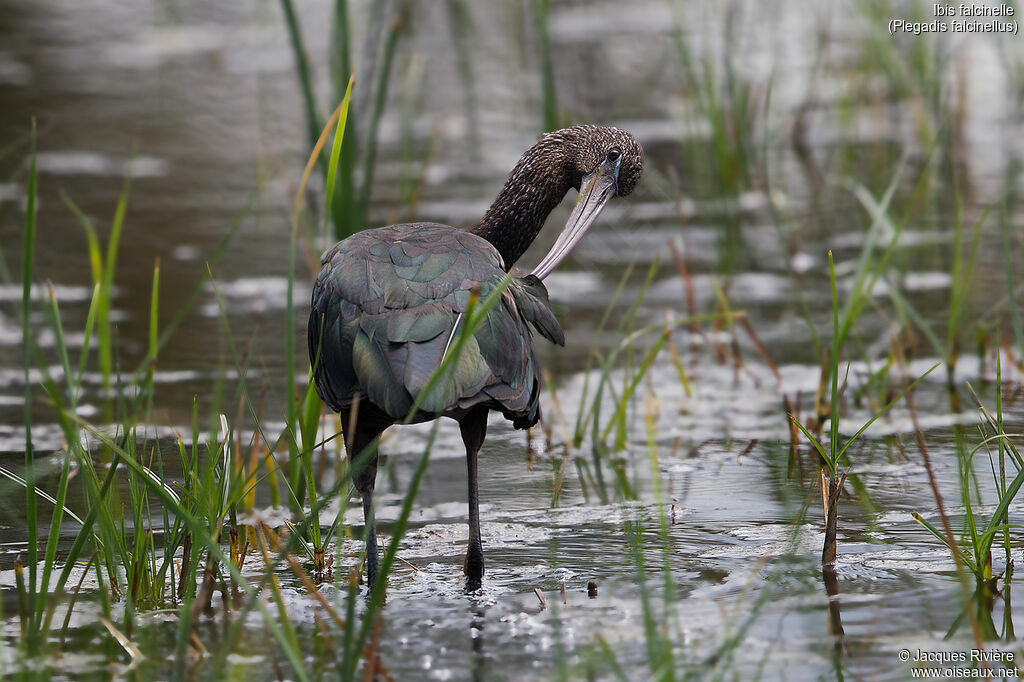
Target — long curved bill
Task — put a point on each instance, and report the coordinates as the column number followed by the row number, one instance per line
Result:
column 595, row 191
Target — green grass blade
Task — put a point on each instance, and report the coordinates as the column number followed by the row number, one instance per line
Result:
column 833, row 410
column 183, row 312
column 1001, row 510
column 83, row 535
column 962, row 273
column 628, row 393
column 154, row 318
column 903, row 304
column 369, row 154
column 28, row 255
column 40, row 493
column 885, row 409
column 200, row 533
column 303, row 69
column 95, row 254
column 107, row 287
column 332, row 166
column 1015, row 317
column 292, row 398
column 578, row 431
column 942, row 538
column 1001, row 480
column 550, row 119
column 814, row 441
column 90, row 325
column 56, row 517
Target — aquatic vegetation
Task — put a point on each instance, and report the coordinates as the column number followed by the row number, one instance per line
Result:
column 832, row 478
column 352, row 174
column 842, row 213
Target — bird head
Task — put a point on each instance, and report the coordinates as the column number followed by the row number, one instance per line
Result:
column 608, row 151
column 600, row 162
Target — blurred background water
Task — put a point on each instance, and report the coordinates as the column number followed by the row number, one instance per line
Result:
column 771, row 130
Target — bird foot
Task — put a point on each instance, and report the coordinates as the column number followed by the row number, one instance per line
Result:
column 473, row 567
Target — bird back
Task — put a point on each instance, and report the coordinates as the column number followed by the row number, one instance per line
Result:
column 384, row 311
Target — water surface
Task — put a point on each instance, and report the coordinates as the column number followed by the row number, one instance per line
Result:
column 200, row 104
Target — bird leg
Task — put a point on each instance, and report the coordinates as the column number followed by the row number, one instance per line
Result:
column 474, row 429
column 372, row 561
column 364, row 475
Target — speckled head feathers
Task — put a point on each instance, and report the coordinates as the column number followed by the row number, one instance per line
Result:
column 556, row 163
column 585, row 146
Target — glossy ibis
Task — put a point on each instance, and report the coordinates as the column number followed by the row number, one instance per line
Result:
column 387, row 301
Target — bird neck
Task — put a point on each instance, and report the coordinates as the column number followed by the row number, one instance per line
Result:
column 534, row 188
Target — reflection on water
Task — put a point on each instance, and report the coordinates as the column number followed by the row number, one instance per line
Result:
column 200, row 102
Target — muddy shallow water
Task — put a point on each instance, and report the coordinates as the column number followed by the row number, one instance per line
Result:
column 201, row 103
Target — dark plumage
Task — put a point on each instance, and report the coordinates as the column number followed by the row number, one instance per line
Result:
column 386, row 303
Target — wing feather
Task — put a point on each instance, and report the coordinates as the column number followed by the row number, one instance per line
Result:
column 383, row 309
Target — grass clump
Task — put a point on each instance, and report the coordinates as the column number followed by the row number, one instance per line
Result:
column 157, row 539
column 350, row 178
column 832, row 455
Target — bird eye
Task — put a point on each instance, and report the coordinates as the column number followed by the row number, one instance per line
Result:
column 613, row 154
